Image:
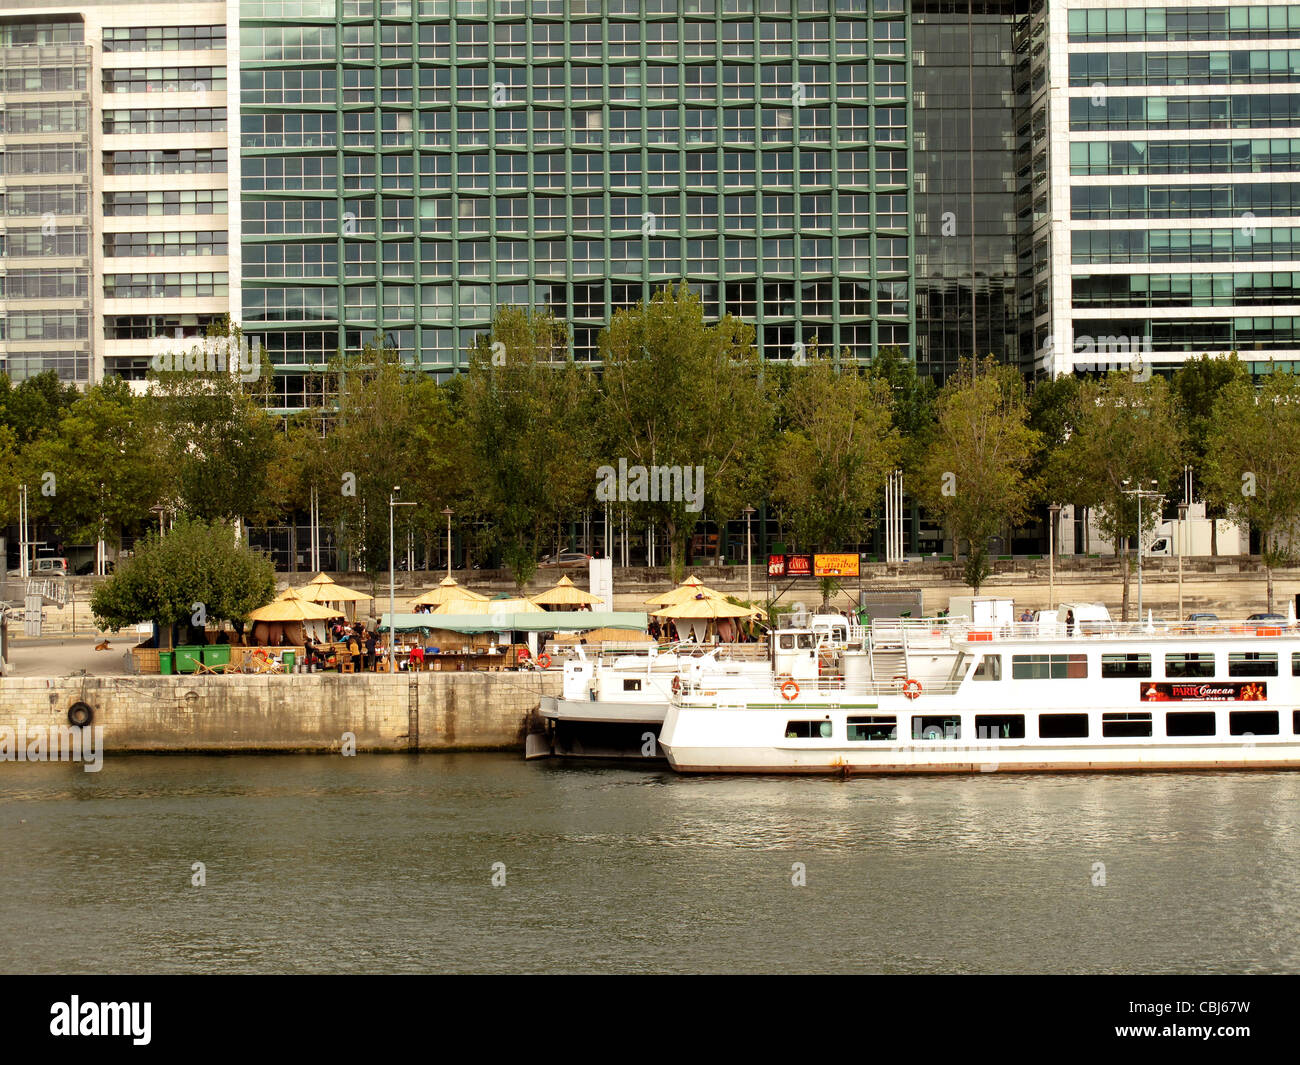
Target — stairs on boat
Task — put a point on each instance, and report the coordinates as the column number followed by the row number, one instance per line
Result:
column 888, row 653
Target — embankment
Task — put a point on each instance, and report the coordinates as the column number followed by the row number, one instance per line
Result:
column 298, row 712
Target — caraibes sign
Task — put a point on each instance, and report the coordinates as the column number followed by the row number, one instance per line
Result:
column 241, row 354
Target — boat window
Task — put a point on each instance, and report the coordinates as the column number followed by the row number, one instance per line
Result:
column 1049, row 667
column 806, row 641
column 1295, row 663
column 1295, row 722
column 787, row 641
column 1190, row 723
column 631, row 685
column 1063, row 726
column 1252, row 664
column 1190, row 664
column 937, row 727
column 1126, row 724
column 990, row 668
column 807, row 730
column 1252, row 722
column 1117, row 667
column 873, row 728
column 1000, row 726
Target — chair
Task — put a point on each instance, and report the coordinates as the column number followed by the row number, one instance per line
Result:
column 347, row 667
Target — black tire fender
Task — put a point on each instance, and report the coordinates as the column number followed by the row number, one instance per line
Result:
column 81, row 714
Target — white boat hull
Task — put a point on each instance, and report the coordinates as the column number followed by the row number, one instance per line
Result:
column 603, row 711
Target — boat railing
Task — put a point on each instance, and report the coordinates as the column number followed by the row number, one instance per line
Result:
column 723, row 687
column 721, row 652
column 916, row 633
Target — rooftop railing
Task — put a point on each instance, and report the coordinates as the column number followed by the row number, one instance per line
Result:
column 935, row 631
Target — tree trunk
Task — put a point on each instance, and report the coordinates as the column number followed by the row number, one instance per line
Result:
column 1214, row 537
column 1269, row 571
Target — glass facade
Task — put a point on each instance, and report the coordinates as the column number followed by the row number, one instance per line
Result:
column 408, row 167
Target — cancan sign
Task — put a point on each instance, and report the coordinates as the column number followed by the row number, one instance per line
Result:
column 1245, row 692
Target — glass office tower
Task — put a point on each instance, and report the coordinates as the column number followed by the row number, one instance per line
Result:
column 408, row 166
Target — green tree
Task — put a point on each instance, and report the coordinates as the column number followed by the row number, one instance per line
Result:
column 1197, row 386
column 975, row 472
column 679, row 394
column 1125, row 436
column 1252, row 471
column 835, row 449
column 170, row 577
column 913, row 402
column 33, row 408
column 98, row 474
column 1052, row 405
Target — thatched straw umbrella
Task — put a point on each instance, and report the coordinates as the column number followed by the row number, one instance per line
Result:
column 448, row 592
column 707, row 609
column 566, row 596
column 690, row 589
column 289, row 609
column 324, row 589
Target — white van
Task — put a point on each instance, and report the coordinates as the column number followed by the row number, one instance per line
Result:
column 45, row 568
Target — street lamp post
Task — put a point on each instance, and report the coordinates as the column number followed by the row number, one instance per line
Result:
column 1182, row 544
column 1140, row 494
column 1053, row 513
column 446, row 513
column 392, row 578
column 749, row 557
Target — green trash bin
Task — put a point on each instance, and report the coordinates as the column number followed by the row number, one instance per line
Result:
column 217, row 656
column 188, row 658
column 288, row 657
column 166, row 663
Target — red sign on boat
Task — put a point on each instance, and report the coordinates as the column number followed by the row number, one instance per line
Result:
column 1232, row 692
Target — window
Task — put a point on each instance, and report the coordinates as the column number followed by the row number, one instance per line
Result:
column 808, row 730
column 989, row 668
column 631, row 685
column 936, row 727
column 1063, row 726
column 873, row 728
column 1193, row 664
column 1000, row 726
column 1119, row 725
column 169, row 38
column 1049, row 667
column 1190, row 723
column 1252, row 664
column 1117, row 667
column 1253, row 722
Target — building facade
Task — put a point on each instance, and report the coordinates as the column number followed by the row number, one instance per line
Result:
column 117, row 146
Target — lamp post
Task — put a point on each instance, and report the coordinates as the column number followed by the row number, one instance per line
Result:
column 392, row 577
column 1182, row 538
column 446, row 513
column 749, row 557
column 1053, row 513
column 1140, row 494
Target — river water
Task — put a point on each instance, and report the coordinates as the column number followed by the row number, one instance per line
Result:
column 386, row 863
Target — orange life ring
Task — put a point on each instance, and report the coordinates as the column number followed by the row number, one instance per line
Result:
column 677, row 685
column 911, row 688
column 543, row 661
column 789, row 690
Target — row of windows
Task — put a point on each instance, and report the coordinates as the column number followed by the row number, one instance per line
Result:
column 1185, row 112
column 1184, row 68
column 1121, row 724
column 166, row 202
column 51, row 78
column 183, row 242
column 1184, row 24
column 1185, row 157
column 44, row 118
column 165, row 79
column 1200, row 335
column 167, row 161
column 146, row 286
column 163, row 38
column 1183, row 201
column 578, row 41
column 45, row 283
column 516, row 86
column 1133, row 665
column 40, row 34
column 1184, row 245
column 284, row 9
column 1184, row 290
column 591, row 258
column 64, row 240
column 170, row 120
column 145, row 326
column 44, row 199
column 38, row 325
column 18, row 159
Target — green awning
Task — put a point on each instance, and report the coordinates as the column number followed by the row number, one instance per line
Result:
column 550, row 621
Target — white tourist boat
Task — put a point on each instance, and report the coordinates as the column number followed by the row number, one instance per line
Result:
column 957, row 697
column 613, row 703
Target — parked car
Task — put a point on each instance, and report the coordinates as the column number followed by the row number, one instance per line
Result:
column 1202, row 617
column 1267, row 617
column 565, row 559
column 45, row 568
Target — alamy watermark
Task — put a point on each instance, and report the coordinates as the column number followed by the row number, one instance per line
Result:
column 54, row 743
column 651, row 484
column 209, row 355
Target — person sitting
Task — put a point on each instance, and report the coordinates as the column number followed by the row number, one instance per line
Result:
column 417, row 658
